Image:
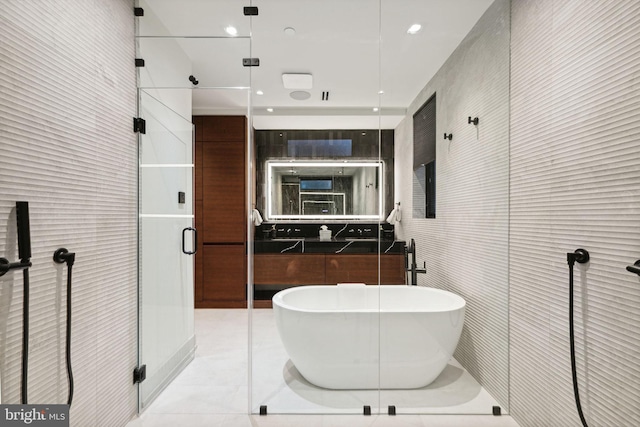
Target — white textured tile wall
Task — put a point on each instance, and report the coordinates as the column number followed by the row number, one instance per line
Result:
column 575, row 182
column 68, row 95
column 466, row 246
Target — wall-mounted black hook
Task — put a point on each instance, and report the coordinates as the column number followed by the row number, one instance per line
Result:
column 448, row 136
column 193, row 80
column 635, row 268
column 475, row 120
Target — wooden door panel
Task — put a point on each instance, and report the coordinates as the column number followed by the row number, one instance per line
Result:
column 223, row 128
column 224, row 273
column 223, row 192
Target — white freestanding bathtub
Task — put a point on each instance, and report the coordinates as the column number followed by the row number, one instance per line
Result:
column 354, row 336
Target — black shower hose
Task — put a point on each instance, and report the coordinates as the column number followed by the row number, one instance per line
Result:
column 68, row 344
column 60, row 256
column 25, row 336
column 576, row 393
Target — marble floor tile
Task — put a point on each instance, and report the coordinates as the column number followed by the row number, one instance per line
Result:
column 214, row 389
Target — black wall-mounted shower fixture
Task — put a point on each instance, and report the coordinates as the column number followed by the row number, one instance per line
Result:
column 635, row 268
column 62, row 256
column 6, row 266
column 448, row 136
column 193, row 80
column 24, row 241
column 24, row 253
column 580, row 256
column 474, row 121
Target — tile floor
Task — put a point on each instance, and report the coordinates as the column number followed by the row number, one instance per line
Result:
column 213, row 390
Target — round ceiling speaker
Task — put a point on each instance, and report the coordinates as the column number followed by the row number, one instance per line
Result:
column 300, row 95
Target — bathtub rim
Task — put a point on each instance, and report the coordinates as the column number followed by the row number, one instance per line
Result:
column 278, row 300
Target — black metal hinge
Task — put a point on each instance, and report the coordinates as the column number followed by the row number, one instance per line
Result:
column 251, row 62
column 138, row 11
column 496, row 411
column 139, row 374
column 251, row 11
column 139, row 62
column 139, row 125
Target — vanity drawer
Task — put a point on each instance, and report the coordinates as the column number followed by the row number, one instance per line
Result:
column 289, row 269
column 357, row 268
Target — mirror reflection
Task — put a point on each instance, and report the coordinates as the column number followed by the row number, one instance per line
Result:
column 319, row 175
column 329, row 190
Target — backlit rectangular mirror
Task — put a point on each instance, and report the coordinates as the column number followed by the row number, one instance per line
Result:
column 324, row 190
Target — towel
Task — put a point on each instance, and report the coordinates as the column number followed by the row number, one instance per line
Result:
column 395, row 216
column 256, row 217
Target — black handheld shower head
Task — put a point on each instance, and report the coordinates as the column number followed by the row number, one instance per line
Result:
column 24, row 241
column 24, row 234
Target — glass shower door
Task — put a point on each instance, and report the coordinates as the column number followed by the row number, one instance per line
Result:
column 167, row 241
column 190, row 67
column 316, row 157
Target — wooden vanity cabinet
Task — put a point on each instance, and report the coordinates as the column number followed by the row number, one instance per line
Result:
column 362, row 268
column 289, row 269
column 327, row 269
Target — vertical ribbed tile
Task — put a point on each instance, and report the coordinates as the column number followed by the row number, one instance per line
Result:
column 466, row 246
column 67, row 85
column 575, row 182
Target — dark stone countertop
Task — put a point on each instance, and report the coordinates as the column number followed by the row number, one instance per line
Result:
column 333, row 246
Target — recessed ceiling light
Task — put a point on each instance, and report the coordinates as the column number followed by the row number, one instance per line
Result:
column 300, row 95
column 414, row 29
column 270, row 110
column 231, row 30
column 290, row 31
column 375, row 108
column 380, row 92
column 259, row 92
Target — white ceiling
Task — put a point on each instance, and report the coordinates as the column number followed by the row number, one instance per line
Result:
column 353, row 49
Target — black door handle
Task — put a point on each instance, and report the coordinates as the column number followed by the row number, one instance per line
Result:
column 195, row 240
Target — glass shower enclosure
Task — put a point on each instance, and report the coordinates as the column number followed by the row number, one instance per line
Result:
column 328, row 149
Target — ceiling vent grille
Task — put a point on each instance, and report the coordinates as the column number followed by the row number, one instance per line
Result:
column 325, row 95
